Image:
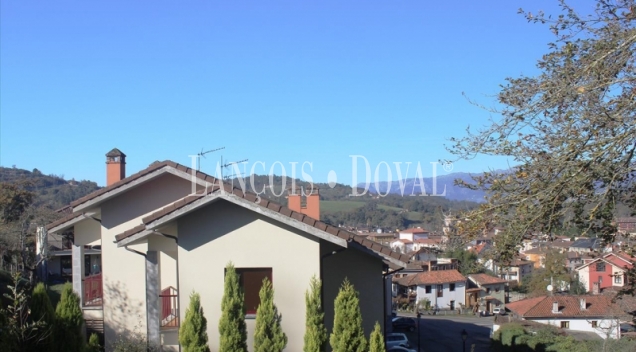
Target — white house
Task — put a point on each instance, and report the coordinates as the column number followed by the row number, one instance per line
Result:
column 445, row 289
column 413, row 234
column 596, row 314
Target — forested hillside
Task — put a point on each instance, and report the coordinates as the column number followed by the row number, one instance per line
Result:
column 51, row 191
column 338, row 207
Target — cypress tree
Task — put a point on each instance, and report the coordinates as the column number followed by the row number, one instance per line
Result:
column 315, row 331
column 268, row 334
column 376, row 340
column 42, row 310
column 93, row 344
column 232, row 329
column 347, row 335
column 193, row 334
column 69, row 322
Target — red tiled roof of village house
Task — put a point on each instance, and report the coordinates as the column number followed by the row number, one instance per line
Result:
column 625, row 256
column 569, row 306
column 434, row 277
column 414, row 230
column 619, row 263
column 478, row 249
column 403, row 241
column 485, row 279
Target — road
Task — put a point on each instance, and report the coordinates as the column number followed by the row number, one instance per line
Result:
column 443, row 333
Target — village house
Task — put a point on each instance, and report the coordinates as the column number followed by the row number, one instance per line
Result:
column 514, row 272
column 605, row 272
column 626, row 225
column 586, row 245
column 485, row 292
column 596, row 314
column 444, row 289
column 413, row 234
column 167, row 231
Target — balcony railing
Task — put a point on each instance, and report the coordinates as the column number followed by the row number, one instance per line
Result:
column 169, row 304
column 93, row 294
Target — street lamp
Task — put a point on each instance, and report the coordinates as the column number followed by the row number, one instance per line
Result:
column 464, row 337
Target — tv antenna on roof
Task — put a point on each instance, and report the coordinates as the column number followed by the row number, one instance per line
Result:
column 223, row 166
column 202, row 154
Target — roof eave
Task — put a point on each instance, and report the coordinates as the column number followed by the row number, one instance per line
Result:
column 143, row 179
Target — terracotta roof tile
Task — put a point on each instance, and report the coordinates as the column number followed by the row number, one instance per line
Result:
column 436, row 277
column 485, row 279
column 63, row 220
column 135, row 230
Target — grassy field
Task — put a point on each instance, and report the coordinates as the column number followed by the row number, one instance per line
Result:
column 332, row 206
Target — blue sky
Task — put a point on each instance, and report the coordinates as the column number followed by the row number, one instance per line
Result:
column 287, row 81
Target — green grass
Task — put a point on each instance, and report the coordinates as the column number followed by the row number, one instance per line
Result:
column 332, row 206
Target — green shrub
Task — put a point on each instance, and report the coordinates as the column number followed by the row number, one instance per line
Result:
column 347, row 335
column 268, row 334
column 315, row 331
column 193, row 335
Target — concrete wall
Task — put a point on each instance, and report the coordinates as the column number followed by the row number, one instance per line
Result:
column 221, row 232
column 459, row 295
column 123, row 271
column 88, row 232
column 364, row 272
column 584, row 278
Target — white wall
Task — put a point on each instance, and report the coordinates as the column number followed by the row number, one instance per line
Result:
column 124, row 274
column 459, row 295
column 222, row 232
column 604, row 328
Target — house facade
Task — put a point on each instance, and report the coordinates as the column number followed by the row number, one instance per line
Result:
column 168, row 231
column 485, row 292
column 604, row 272
column 596, row 314
column 444, row 289
column 413, row 234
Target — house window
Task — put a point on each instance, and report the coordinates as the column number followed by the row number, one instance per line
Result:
column 452, row 305
column 487, row 289
column 594, row 323
column 618, row 279
column 440, row 290
column 565, row 325
column 600, row 266
column 451, row 287
column 251, row 280
column 497, row 288
column 428, row 289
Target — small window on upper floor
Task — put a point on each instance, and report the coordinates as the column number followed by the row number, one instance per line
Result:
column 251, row 280
column 600, row 266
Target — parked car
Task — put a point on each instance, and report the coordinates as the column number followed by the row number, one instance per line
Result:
column 403, row 323
column 626, row 327
column 399, row 349
column 498, row 310
column 396, row 340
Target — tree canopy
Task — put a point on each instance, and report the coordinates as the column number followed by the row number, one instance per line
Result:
column 570, row 130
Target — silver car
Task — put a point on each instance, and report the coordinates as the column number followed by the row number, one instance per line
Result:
column 396, row 340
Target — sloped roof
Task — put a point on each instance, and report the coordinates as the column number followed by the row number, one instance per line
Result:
column 485, row 279
column 414, row 230
column 115, row 152
column 569, row 306
column 435, row 277
column 591, row 243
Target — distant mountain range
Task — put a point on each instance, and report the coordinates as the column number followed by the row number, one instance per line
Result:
column 413, row 186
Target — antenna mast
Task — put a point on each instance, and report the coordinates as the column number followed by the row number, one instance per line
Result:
column 202, row 154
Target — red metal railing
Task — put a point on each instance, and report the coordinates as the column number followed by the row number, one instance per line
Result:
column 93, row 293
column 169, row 302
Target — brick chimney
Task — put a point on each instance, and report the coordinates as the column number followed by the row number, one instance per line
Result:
column 115, row 166
column 311, row 199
